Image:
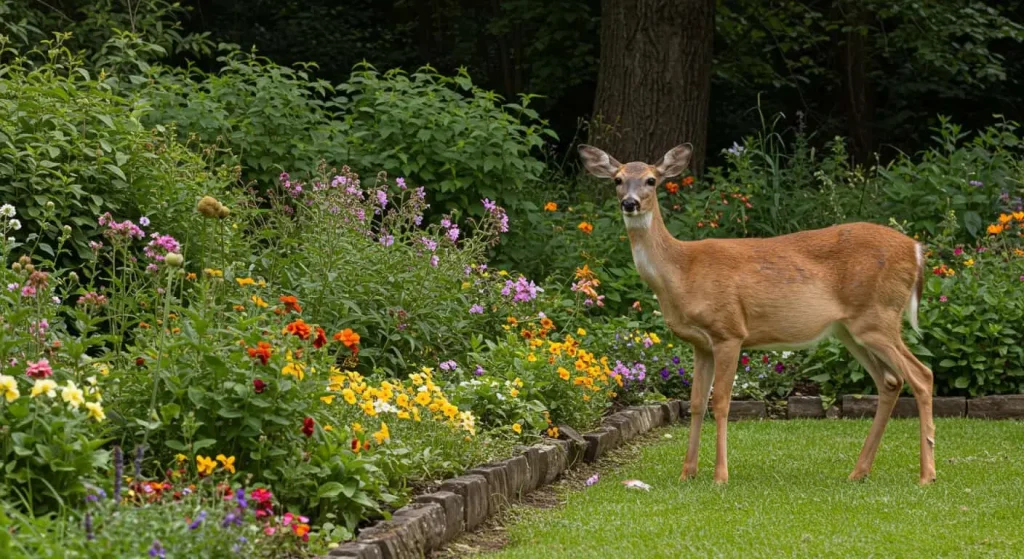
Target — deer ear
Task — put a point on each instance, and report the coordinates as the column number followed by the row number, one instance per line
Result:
column 597, row 162
column 675, row 161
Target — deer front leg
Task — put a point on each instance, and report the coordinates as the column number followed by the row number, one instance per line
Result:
column 703, row 374
column 726, row 356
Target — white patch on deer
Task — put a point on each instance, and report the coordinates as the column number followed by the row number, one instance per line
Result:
column 644, row 266
column 914, row 302
column 639, row 221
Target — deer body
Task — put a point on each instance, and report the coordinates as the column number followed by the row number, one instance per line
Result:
column 853, row 281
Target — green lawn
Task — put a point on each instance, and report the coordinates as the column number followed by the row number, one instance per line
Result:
column 788, row 497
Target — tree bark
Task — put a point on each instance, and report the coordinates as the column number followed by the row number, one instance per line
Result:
column 654, row 79
column 858, row 94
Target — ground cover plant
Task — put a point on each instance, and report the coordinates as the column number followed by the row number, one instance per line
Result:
column 789, row 496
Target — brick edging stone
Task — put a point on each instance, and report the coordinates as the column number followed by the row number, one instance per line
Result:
column 462, row 503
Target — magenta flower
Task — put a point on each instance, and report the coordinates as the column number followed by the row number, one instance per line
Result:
column 943, row 298
column 958, row 251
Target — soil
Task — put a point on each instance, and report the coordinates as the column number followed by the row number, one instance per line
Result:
column 492, row 535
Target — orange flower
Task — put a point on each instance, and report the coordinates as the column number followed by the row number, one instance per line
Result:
column 995, row 229
column 238, row 308
column 585, row 227
column 298, row 328
column 321, row 338
column 1005, row 218
column 349, row 338
column 688, row 181
column 672, row 187
column 291, row 303
column 551, row 207
column 1019, row 216
column 262, row 352
column 547, row 323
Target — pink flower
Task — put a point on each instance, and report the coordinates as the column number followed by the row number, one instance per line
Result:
column 39, row 369
column 28, row 291
column 958, row 251
column 943, row 298
column 287, row 519
column 269, row 530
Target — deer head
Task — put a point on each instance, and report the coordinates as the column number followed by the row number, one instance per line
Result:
column 636, row 183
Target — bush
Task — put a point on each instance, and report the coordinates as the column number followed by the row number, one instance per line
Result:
column 70, row 150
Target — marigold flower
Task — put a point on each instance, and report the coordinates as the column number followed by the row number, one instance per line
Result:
column 349, row 338
column 205, row 465
column 321, row 338
column 995, row 229
column 553, row 432
column 298, row 328
column 242, row 282
column 262, row 351
column 291, row 303
column 551, row 207
column 1019, row 216
column 671, row 187
column 227, row 462
column 585, row 227
column 563, row 373
column 258, row 301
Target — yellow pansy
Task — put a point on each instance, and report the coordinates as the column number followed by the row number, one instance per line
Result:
column 44, row 386
column 95, row 411
column 72, row 395
column 9, row 388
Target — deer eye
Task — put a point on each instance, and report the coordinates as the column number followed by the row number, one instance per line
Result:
column 618, row 180
column 651, row 181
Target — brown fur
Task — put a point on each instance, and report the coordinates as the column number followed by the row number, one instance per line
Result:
column 853, row 281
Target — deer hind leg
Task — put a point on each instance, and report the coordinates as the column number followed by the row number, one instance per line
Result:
column 726, row 356
column 889, row 385
column 894, row 353
column 703, row 374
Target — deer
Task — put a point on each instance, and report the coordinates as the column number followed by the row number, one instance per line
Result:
column 852, row 281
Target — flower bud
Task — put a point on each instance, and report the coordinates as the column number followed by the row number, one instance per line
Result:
column 73, row 277
column 208, row 206
column 67, row 229
column 16, row 266
column 50, row 206
column 174, row 260
column 30, row 268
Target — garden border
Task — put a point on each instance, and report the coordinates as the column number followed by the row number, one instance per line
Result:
column 464, row 502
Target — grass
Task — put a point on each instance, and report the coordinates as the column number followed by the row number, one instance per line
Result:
column 788, row 497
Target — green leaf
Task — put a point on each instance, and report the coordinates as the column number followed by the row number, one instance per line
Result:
column 330, row 490
column 203, row 443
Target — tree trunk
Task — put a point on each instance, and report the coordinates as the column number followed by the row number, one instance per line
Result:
column 858, row 93
column 654, row 79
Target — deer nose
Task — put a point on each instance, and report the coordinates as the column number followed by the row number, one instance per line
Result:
column 630, row 205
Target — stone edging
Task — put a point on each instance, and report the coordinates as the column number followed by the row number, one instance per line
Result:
column 984, row 407
column 464, row 502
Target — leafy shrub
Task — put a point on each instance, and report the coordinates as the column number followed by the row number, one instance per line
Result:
column 70, row 150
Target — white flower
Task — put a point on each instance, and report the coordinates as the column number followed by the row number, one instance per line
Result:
column 56, row 300
column 7, row 210
column 14, row 224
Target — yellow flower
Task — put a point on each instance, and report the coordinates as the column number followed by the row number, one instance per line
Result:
column 449, row 411
column 466, row 285
column 95, row 411
column 72, row 395
column 205, row 465
column 368, row 408
column 383, row 434
column 423, row 398
column 531, row 358
column 9, row 388
column 349, row 395
column 328, row 428
column 227, row 462
column 262, row 283
column 44, row 386
column 102, row 368
column 517, row 428
column 180, row 457
column 416, row 414
column 581, row 332
column 327, row 399
column 553, row 432
column 258, row 301
column 502, row 273
column 357, row 428
column 403, row 414
column 242, row 282
column 969, row 262
column 563, row 373
column 514, row 392
column 402, row 400
column 654, row 338
column 518, row 382
column 416, row 378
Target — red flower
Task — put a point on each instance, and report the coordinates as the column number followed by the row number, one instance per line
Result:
column 764, row 359
column 687, row 181
column 356, row 446
column 291, row 303
column 307, row 426
column 298, row 328
column 140, row 362
column 262, row 352
column 672, row 187
column 264, row 505
column 321, row 338
column 259, row 386
column 745, row 360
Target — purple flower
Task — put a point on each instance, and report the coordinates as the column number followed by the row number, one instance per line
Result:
column 525, row 290
column 230, row 519
column 387, row 240
column 434, row 260
column 779, row 367
column 382, row 198
column 431, row 244
column 87, row 525
column 360, row 214
column 479, row 371
column 976, row 184
column 12, row 287
column 453, row 234
column 157, row 550
column 446, row 223
column 476, row 309
column 152, row 268
column 240, row 498
column 421, row 193
column 468, row 270
column 675, row 360
column 118, row 472
column 160, row 245
column 199, row 520
column 400, row 181
column 488, row 205
column 665, row 373
column 448, row 365
column 591, row 480
column 418, row 220
column 682, row 371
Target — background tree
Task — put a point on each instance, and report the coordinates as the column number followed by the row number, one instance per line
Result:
column 654, row 83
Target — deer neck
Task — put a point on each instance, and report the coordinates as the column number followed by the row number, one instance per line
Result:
column 651, row 244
